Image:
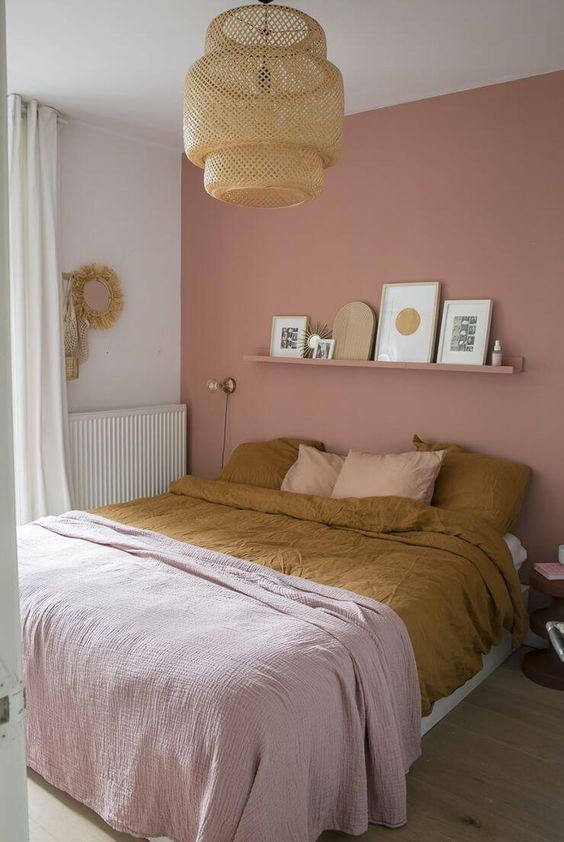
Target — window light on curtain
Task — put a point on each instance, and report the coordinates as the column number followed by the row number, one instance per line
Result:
column 39, row 393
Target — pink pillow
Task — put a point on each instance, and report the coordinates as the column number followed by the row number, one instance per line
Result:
column 313, row 472
column 395, row 474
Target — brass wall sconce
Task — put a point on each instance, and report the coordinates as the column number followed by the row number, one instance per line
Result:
column 226, row 386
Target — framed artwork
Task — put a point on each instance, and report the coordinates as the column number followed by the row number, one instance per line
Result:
column 408, row 322
column 324, row 349
column 287, row 336
column 465, row 331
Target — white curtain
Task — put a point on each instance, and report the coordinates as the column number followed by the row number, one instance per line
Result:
column 40, row 412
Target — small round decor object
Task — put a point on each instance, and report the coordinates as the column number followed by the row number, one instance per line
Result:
column 264, row 108
column 313, row 333
column 97, row 295
column 353, row 331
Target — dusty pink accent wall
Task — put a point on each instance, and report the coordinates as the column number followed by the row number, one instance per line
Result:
column 467, row 189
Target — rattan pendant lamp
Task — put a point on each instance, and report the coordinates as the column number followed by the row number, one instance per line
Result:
column 263, row 108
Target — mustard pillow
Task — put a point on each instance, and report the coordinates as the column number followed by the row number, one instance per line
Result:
column 424, row 446
column 491, row 488
column 264, row 463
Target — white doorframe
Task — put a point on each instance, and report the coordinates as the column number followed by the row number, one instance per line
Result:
column 13, row 792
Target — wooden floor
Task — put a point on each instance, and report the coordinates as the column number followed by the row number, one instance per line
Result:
column 493, row 769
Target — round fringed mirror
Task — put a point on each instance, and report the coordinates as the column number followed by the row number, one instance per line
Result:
column 97, row 295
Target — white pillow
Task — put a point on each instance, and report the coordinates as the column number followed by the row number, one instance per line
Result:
column 517, row 550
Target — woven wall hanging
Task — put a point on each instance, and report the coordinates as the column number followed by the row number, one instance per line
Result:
column 92, row 299
column 263, row 108
column 71, row 332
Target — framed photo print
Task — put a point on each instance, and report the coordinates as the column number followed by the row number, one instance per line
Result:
column 324, row 349
column 465, row 331
column 408, row 322
column 287, row 337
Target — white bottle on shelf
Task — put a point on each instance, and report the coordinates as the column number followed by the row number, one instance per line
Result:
column 497, row 356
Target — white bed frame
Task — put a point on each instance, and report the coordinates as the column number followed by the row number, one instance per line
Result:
column 491, row 662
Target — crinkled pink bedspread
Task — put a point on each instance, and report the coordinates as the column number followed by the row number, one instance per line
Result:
column 184, row 693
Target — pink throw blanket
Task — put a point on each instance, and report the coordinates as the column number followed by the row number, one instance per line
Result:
column 184, row 693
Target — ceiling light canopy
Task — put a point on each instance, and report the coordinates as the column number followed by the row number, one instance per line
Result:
column 263, row 108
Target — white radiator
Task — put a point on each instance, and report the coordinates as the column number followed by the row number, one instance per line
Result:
column 126, row 453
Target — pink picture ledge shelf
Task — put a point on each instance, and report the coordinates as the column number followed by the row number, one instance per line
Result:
column 512, row 365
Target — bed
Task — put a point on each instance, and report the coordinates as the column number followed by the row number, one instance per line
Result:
column 447, row 594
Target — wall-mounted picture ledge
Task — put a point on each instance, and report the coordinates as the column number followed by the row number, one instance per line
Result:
column 512, row 365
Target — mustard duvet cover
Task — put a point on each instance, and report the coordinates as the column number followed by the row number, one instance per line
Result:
column 448, row 575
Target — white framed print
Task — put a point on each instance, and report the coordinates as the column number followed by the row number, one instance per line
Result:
column 408, row 322
column 287, row 336
column 324, row 349
column 465, row 332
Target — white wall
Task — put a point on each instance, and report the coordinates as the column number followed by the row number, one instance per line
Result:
column 120, row 205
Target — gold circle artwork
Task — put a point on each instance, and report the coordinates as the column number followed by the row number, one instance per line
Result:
column 408, row 321
column 264, row 108
column 97, row 295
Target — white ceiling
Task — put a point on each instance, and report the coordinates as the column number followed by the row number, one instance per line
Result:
column 121, row 63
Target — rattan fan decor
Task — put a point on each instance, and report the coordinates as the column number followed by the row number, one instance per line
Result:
column 353, row 331
column 313, row 333
column 264, row 108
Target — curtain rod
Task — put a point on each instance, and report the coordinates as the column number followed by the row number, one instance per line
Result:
column 60, row 117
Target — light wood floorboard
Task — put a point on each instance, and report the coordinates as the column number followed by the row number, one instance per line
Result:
column 493, row 769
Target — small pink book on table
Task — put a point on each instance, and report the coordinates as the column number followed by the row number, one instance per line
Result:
column 551, row 571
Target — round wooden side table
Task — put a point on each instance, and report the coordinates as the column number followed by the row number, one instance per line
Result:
column 544, row 666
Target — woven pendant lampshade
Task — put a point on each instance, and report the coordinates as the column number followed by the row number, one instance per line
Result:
column 263, row 108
